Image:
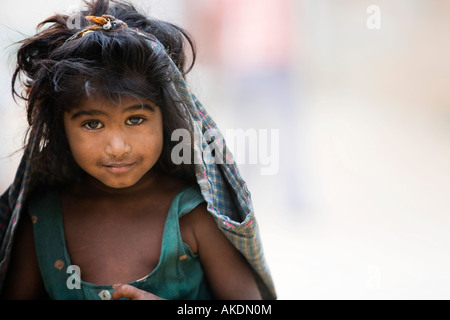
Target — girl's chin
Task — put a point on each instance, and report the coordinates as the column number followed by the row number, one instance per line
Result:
column 122, row 182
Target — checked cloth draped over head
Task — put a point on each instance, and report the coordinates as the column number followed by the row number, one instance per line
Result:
column 221, row 185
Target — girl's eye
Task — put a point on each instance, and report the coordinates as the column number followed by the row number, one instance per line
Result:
column 134, row 121
column 93, row 125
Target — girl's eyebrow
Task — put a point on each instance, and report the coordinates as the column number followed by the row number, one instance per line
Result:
column 139, row 107
column 87, row 113
column 95, row 112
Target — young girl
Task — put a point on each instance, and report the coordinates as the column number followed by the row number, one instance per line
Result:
column 99, row 209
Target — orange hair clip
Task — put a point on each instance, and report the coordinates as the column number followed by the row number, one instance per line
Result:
column 105, row 22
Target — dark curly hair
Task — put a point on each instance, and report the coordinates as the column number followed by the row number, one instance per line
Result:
column 57, row 74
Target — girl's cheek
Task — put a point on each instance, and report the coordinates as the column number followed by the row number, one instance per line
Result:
column 83, row 149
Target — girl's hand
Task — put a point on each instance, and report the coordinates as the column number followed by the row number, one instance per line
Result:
column 132, row 293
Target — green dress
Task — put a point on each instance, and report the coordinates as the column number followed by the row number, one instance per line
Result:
column 178, row 274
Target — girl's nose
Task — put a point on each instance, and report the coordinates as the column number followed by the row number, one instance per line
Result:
column 117, row 147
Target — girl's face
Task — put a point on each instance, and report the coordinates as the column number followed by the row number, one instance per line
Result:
column 117, row 145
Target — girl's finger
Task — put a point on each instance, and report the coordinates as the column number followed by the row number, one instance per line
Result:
column 125, row 291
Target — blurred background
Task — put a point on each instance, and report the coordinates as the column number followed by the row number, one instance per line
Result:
column 358, row 207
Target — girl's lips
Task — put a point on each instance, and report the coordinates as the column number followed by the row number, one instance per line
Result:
column 119, row 167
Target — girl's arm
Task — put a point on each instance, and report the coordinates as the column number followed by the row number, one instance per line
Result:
column 23, row 279
column 228, row 273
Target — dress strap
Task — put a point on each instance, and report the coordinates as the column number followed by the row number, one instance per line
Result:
column 173, row 247
column 45, row 211
column 187, row 200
